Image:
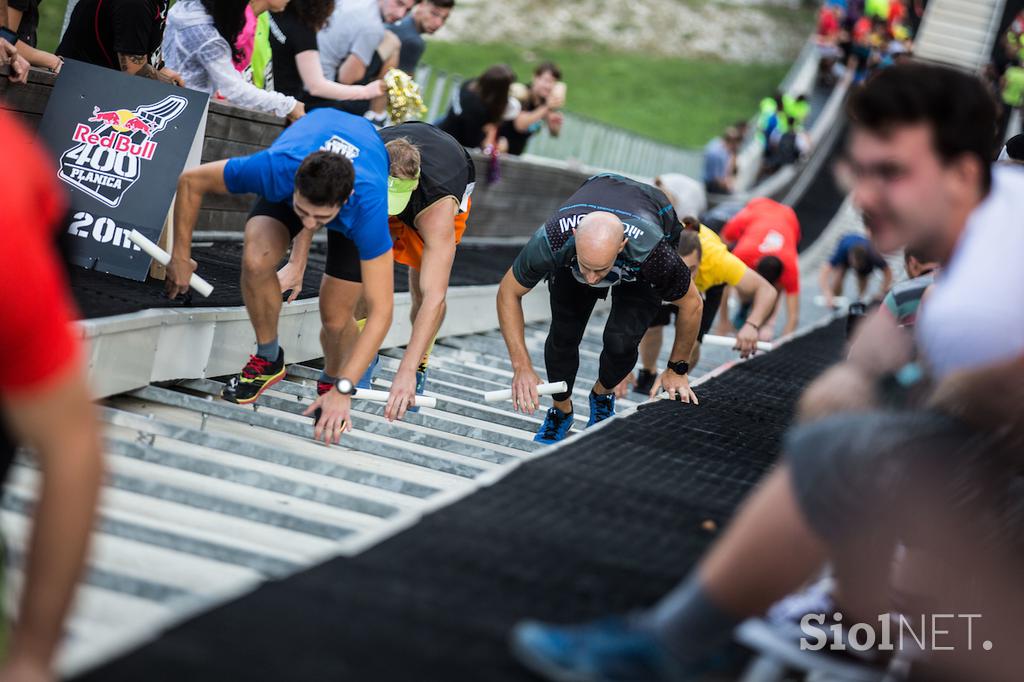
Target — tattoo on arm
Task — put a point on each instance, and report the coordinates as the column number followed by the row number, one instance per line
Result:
column 142, row 67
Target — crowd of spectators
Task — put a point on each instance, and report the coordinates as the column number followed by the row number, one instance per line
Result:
column 287, row 57
column 1005, row 74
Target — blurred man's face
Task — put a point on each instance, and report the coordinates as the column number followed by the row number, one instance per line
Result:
column 543, row 84
column 393, row 10
column 430, row 18
column 902, row 187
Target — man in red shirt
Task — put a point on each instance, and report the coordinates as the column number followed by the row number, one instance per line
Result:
column 764, row 235
column 44, row 401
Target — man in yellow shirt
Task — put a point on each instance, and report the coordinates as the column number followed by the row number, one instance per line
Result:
column 713, row 268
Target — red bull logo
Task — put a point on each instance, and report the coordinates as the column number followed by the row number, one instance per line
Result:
column 111, row 146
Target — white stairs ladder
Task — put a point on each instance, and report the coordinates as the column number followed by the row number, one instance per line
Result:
column 959, row 33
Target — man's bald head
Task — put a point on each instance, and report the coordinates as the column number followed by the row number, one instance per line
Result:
column 600, row 236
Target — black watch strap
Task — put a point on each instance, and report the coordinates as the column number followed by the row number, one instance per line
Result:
column 8, row 35
column 681, row 367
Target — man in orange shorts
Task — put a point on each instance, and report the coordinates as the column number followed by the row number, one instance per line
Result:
column 429, row 188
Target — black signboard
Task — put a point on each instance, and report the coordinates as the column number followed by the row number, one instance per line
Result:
column 120, row 143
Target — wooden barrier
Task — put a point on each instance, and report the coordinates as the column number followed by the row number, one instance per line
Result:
column 527, row 194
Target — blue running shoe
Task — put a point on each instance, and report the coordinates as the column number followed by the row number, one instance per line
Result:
column 604, row 651
column 421, row 385
column 601, row 407
column 367, row 379
column 555, row 427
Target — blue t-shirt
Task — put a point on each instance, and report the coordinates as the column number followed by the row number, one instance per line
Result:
column 842, row 252
column 271, row 173
column 716, row 160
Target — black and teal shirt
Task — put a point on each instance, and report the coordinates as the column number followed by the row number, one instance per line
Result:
column 652, row 231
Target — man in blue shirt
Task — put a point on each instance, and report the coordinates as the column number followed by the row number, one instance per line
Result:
column 720, row 162
column 327, row 169
column 854, row 252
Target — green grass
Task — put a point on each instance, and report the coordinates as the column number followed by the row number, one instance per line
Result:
column 684, row 102
column 51, row 17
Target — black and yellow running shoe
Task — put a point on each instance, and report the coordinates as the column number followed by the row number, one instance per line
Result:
column 258, row 375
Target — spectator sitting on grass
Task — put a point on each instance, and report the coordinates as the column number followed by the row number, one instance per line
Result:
column 720, row 162
column 198, row 44
column 425, row 17
column 22, row 18
column 541, row 105
column 479, row 107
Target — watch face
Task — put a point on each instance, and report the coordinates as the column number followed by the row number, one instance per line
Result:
column 345, row 387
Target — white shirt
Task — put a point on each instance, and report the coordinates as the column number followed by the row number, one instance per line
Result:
column 975, row 314
column 194, row 48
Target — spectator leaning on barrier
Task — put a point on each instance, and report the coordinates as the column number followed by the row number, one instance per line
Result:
column 15, row 64
column 541, row 102
column 856, row 485
column 356, row 49
column 44, row 404
column 297, row 69
column 479, row 107
column 119, row 34
column 23, row 20
column 198, row 45
column 720, row 162
column 426, row 17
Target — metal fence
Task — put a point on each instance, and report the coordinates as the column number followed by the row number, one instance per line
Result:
column 583, row 140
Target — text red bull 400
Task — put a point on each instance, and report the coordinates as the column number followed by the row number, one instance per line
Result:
column 112, row 145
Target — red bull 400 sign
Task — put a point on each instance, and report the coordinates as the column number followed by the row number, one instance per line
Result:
column 120, row 144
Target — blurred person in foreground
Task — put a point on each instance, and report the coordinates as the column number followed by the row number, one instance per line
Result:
column 856, row 479
column 44, row 403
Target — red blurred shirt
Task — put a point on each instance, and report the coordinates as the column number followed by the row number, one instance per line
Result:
column 767, row 228
column 37, row 340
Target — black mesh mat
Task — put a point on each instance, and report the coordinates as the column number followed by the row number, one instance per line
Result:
column 606, row 524
column 101, row 295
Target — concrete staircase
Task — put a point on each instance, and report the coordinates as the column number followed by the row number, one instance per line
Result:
column 959, row 33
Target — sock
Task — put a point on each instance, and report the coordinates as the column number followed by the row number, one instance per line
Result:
column 688, row 623
column 268, row 351
column 327, row 378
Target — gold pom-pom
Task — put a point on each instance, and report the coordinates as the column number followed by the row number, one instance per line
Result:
column 404, row 99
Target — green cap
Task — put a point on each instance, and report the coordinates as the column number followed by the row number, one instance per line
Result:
column 399, row 193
